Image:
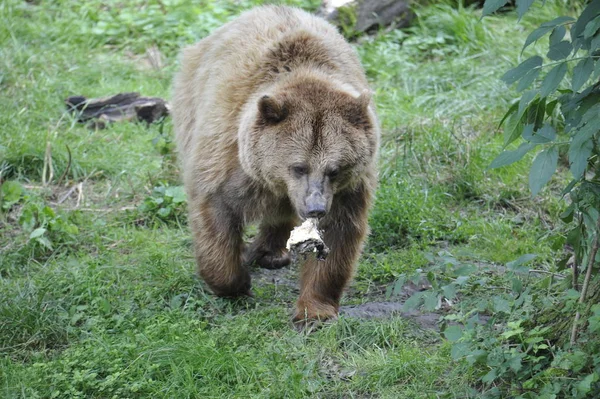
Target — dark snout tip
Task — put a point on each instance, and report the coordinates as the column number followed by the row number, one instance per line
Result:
column 316, row 213
column 316, row 205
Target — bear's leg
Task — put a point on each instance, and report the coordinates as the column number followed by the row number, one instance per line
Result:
column 268, row 248
column 322, row 282
column 218, row 244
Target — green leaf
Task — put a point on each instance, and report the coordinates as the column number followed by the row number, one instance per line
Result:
column 525, row 100
column 519, row 71
column 453, row 333
column 597, row 69
column 567, row 190
column 580, row 149
column 512, row 129
column 523, row 259
column 542, row 169
column 464, row 270
column 560, row 51
column 591, row 28
column 430, row 301
column 523, row 6
column 545, row 28
column 500, row 305
column 459, row 350
column 388, row 291
column 557, row 35
column 550, row 107
column 553, row 79
column 478, row 355
column 588, row 14
column 40, row 231
column 536, row 112
column 491, row 6
column 516, row 285
column 431, row 278
column 397, row 290
column 44, row 241
column 413, row 302
column 177, row 193
column 595, row 44
column 542, row 136
column 10, row 194
column 164, row 212
column 48, row 212
column 515, row 364
column 585, row 385
column 27, row 220
column 510, row 157
column 449, row 291
column 528, row 79
column 489, row 377
column 528, row 131
column 508, row 113
column 582, row 72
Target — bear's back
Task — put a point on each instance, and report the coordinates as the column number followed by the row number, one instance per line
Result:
column 222, row 71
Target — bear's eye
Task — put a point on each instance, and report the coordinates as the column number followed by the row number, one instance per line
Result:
column 333, row 173
column 299, row 170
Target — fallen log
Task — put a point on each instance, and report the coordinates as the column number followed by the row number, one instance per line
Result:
column 120, row 107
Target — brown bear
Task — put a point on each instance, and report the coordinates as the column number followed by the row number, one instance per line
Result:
column 274, row 123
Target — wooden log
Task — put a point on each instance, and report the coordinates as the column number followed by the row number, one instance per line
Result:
column 120, row 107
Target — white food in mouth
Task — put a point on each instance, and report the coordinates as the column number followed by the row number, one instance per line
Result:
column 307, row 231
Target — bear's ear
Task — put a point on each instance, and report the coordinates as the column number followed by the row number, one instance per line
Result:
column 358, row 112
column 364, row 99
column 271, row 110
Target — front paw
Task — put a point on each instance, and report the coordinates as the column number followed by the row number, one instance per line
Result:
column 310, row 315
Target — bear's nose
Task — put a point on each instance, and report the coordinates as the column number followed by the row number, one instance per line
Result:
column 316, row 206
column 316, row 213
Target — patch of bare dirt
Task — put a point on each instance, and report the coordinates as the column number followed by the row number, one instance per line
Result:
column 381, row 310
column 287, row 278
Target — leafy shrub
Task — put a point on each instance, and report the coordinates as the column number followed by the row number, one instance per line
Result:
column 525, row 350
column 46, row 228
column 11, row 193
column 166, row 204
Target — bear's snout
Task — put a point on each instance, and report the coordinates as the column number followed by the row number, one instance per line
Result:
column 316, row 205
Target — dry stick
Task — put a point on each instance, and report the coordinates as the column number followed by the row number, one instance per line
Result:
column 68, row 167
column 48, row 170
column 575, row 275
column 586, row 282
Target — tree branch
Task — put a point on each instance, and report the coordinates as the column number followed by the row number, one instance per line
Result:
column 586, row 281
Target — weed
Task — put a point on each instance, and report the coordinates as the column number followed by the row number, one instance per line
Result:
column 165, row 204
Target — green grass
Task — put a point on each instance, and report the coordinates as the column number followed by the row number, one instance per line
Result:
column 115, row 310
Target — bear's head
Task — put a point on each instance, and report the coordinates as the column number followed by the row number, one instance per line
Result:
column 308, row 140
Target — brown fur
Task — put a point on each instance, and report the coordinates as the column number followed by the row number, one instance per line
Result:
column 274, row 120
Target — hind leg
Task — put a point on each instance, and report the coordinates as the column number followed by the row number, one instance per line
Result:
column 268, row 248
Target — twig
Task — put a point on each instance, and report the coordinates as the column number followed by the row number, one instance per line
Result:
column 48, row 170
column 575, row 275
column 586, row 282
column 79, row 194
column 546, row 272
column 123, row 208
column 68, row 167
column 68, row 194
